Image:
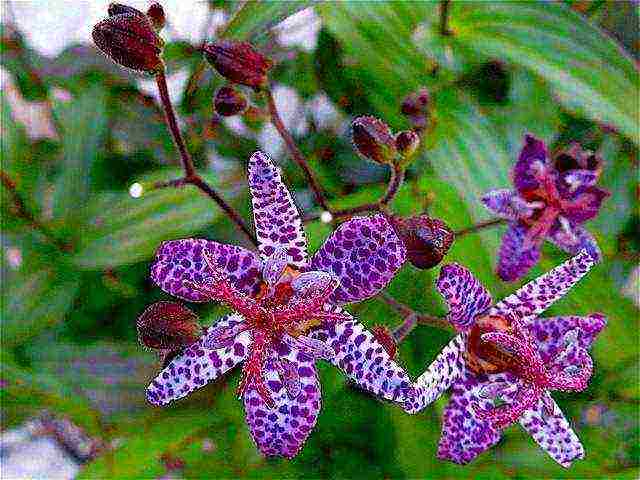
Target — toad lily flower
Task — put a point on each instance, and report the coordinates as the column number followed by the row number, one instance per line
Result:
column 505, row 361
column 551, row 200
column 286, row 316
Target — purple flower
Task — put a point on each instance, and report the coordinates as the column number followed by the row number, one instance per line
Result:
column 505, row 361
column 551, row 200
column 286, row 316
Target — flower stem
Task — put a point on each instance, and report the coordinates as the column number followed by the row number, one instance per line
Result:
column 294, row 151
column 444, row 17
column 412, row 318
column 190, row 175
column 479, row 226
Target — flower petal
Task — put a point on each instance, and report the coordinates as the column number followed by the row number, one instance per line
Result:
column 364, row 253
column 464, row 294
column 552, row 432
column 178, row 261
column 276, row 217
column 515, row 258
column 361, row 358
column 464, row 436
column 500, row 202
column 585, row 204
column 444, row 370
column 577, row 239
column 536, row 296
column 553, row 334
column 532, row 156
column 282, row 430
column 197, row 365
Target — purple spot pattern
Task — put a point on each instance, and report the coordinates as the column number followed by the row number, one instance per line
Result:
column 361, row 358
column 282, row 431
column 578, row 239
column 553, row 433
column 178, row 261
column 464, row 294
column 276, row 217
column 514, row 257
column 364, row 253
column 197, row 365
column 536, row 296
column 501, row 202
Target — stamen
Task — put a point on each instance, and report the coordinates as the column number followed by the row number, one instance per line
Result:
column 221, row 337
column 289, row 377
column 310, row 346
column 275, row 266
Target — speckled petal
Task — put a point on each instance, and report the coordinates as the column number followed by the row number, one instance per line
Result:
column 515, row 259
column 282, row 431
column 586, row 204
column 552, row 432
column 364, row 253
column 276, row 217
column 500, row 202
column 444, row 370
column 464, row 294
column 197, row 365
column 532, row 156
column 464, row 436
column 360, row 357
column 553, row 334
column 536, row 296
column 178, row 261
column 574, row 241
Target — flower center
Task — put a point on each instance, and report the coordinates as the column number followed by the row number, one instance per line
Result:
column 486, row 357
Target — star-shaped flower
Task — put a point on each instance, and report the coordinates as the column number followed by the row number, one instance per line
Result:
column 286, row 316
column 551, row 200
column 505, row 361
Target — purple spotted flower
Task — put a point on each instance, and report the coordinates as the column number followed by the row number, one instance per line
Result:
column 287, row 313
column 506, row 360
column 551, row 200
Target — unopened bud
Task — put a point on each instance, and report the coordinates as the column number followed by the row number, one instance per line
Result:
column 385, row 338
column 155, row 12
column 407, row 143
column 238, row 62
column 427, row 239
column 415, row 107
column 373, row 140
column 168, row 326
column 229, row 101
column 129, row 40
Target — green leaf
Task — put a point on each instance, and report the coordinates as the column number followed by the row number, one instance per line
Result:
column 589, row 71
column 124, row 230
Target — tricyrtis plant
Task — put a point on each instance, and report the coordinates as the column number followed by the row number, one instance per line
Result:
column 288, row 306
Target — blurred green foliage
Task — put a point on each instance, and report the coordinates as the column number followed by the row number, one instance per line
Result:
column 75, row 276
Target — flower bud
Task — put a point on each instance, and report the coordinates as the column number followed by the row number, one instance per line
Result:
column 155, row 12
column 119, row 8
column 373, row 140
column 168, row 326
column 229, row 101
column 238, row 62
column 427, row 239
column 129, row 40
column 407, row 143
column 385, row 338
column 415, row 107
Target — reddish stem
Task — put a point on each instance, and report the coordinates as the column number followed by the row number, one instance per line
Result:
column 479, row 226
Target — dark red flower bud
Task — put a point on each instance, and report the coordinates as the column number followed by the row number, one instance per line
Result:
column 427, row 239
column 229, row 101
column 155, row 12
column 407, row 143
column 129, row 40
column 168, row 326
column 238, row 62
column 373, row 140
column 119, row 8
column 416, row 107
column 385, row 338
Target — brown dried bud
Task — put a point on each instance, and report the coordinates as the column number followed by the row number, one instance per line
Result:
column 427, row 239
column 238, row 62
column 129, row 40
column 373, row 140
column 229, row 101
column 168, row 326
column 385, row 338
column 155, row 12
column 415, row 106
column 407, row 143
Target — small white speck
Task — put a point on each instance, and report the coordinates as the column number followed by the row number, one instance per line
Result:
column 136, row 190
column 326, row 217
column 14, row 257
